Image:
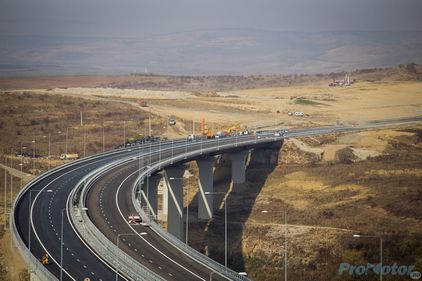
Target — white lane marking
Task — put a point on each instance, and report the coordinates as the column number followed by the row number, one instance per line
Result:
column 152, row 246
column 32, row 221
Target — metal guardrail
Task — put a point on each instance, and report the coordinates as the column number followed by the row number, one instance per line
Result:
column 34, row 264
column 197, row 256
column 40, row 271
column 35, row 267
column 44, row 274
column 97, row 241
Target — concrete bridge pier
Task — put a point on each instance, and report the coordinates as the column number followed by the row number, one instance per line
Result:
column 206, row 184
column 239, row 166
column 165, row 201
column 149, row 191
column 173, row 180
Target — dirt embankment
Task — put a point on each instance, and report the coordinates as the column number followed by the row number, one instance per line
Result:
column 326, row 202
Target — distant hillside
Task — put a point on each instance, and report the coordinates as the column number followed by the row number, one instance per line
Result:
column 209, row 52
column 405, row 72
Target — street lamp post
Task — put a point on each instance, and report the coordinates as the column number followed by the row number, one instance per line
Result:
column 172, row 144
column 225, row 223
column 33, row 151
column 124, row 133
column 103, row 139
column 159, row 155
column 186, row 148
column 5, row 192
column 67, row 137
column 49, row 149
column 61, row 246
column 202, row 141
column 29, row 220
column 33, row 155
column 117, row 243
column 21, row 164
column 11, row 182
column 378, row 237
column 285, row 239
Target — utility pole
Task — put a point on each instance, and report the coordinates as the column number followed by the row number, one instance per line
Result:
column 285, row 246
column 33, row 156
column 5, row 191
column 150, row 139
column 124, row 133
column 49, row 150
column 103, row 139
column 65, row 149
column 84, row 134
column 11, row 186
column 21, row 164
column 84, row 142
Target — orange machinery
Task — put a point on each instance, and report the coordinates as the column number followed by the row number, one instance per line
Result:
column 206, row 131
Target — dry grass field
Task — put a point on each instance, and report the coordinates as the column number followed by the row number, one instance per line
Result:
column 326, row 201
column 331, row 186
column 27, row 115
column 267, row 107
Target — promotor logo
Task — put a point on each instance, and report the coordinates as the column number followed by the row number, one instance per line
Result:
column 393, row 270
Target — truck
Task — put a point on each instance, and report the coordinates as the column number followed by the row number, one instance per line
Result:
column 192, row 137
column 142, row 103
column 69, row 156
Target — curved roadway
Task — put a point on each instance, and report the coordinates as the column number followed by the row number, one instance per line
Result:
column 110, row 192
column 109, row 204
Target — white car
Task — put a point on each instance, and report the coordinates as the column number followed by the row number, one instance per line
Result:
column 299, row 113
column 277, row 134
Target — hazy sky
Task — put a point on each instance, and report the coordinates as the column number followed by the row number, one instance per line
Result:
column 138, row 18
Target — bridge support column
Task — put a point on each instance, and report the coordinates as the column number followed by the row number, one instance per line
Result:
column 149, row 191
column 206, row 184
column 165, row 203
column 173, row 179
column 239, row 166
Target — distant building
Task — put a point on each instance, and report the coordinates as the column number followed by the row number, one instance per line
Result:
column 345, row 82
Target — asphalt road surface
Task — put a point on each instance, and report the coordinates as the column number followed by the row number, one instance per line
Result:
column 48, row 197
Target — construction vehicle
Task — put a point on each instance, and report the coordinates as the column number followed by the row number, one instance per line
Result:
column 134, row 219
column 205, row 131
column 45, row 260
column 233, row 129
column 69, row 156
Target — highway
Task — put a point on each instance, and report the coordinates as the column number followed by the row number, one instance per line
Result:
column 113, row 192
column 78, row 261
column 109, row 203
